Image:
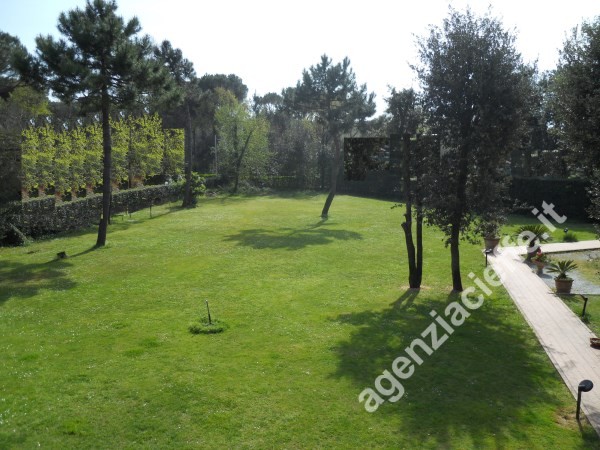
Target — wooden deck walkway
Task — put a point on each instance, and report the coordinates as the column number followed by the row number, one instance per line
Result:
column 564, row 337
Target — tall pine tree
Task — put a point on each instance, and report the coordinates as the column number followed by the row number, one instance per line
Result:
column 101, row 63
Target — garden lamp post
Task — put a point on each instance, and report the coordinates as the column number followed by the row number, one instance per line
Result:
column 584, row 386
column 487, row 251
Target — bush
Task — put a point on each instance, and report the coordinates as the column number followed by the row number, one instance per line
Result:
column 570, row 237
column 203, row 327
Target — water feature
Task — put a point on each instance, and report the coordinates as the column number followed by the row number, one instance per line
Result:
column 581, row 284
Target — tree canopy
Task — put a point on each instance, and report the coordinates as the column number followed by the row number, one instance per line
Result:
column 576, row 88
column 474, row 90
column 329, row 94
column 101, row 62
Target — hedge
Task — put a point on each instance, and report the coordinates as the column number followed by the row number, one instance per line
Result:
column 43, row 216
column 569, row 196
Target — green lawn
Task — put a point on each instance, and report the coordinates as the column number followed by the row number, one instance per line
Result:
column 584, row 231
column 96, row 351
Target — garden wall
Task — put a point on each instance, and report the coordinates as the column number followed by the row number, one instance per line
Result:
column 569, row 196
column 42, row 216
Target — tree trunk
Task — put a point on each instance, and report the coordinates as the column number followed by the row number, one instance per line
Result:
column 455, row 256
column 238, row 162
column 335, row 169
column 413, row 282
column 419, row 271
column 461, row 194
column 106, row 174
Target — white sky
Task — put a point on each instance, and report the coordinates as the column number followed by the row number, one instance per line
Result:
column 268, row 42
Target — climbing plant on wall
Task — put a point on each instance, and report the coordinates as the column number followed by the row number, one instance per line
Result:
column 71, row 159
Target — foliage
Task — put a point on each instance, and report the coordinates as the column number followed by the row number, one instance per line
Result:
column 540, row 257
column 329, row 95
column 539, row 153
column 474, row 86
column 22, row 107
column 576, row 89
column 173, row 154
column 198, row 187
column 72, row 158
column 38, row 156
column 101, row 62
column 243, row 146
column 534, row 232
column 11, row 51
column 138, row 148
column 562, row 268
column 406, row 112
column 570, row 237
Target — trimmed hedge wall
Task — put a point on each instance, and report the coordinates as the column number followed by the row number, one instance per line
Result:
column 569, row 197
column 42, row 216
column 377, row 183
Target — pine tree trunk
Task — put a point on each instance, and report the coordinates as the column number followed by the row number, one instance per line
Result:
column 106, row 174
column 335, row 169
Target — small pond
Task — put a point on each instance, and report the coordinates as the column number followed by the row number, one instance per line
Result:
column 586, row 278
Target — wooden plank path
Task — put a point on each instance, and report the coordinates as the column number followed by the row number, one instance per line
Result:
column 564, row 337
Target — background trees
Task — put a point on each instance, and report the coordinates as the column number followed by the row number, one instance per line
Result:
column 474, row 91
column 243, row 146
column 101, row 63
column 576, row 88
column 329, row 94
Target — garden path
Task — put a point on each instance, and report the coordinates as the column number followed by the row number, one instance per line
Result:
column 564, row 337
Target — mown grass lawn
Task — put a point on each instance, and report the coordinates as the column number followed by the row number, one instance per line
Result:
column 96, row 351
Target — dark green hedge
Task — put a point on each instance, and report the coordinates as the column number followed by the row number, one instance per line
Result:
column 43, row 216
column 569, row 197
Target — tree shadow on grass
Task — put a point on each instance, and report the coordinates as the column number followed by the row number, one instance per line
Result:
column 292, row 238
column 485, row 385
column 23, row 281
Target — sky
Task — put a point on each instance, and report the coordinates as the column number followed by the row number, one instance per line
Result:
column 269, row 42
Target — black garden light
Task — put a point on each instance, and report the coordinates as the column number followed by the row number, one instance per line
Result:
column 585, row 300
column 584, row 386
column 487, row 251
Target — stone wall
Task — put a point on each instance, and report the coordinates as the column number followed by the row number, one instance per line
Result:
column 44, row 216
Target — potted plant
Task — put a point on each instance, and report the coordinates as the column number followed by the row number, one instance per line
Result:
column 540, row 260
column 562, row 281
column 490, row 230
column 535, row 235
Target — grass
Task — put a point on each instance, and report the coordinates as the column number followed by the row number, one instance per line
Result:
column 590, row 270
column 583, row 231
column 97, row 353
column 592, row 310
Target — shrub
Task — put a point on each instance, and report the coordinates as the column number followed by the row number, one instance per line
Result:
column 204, row 327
